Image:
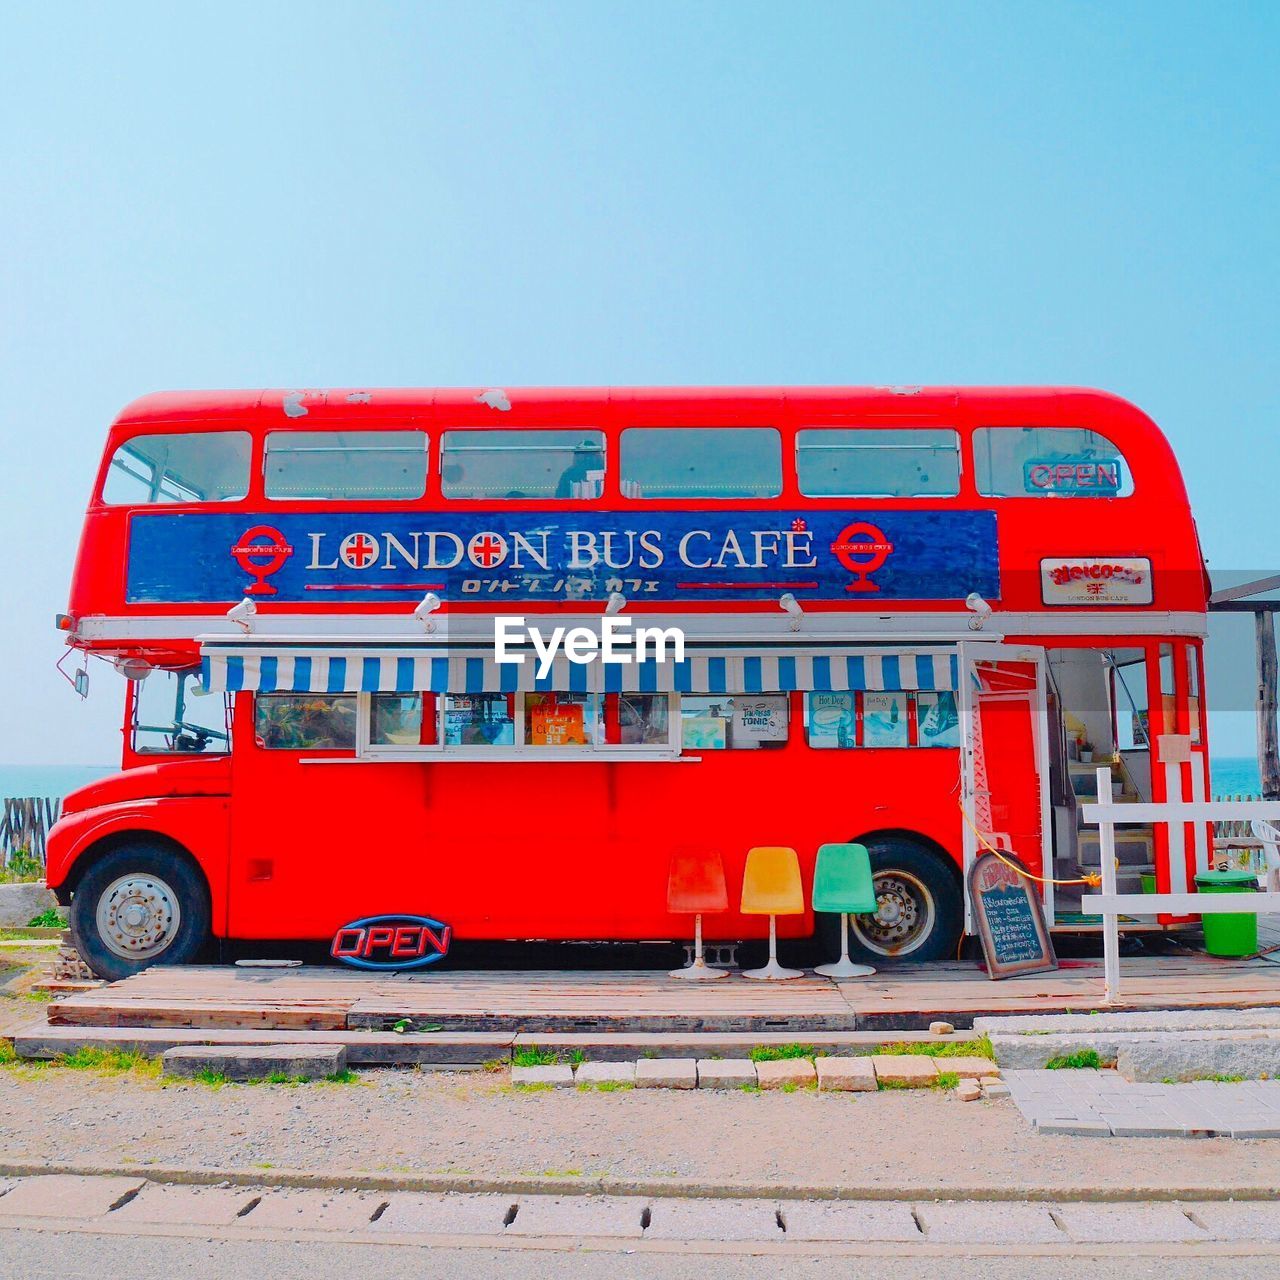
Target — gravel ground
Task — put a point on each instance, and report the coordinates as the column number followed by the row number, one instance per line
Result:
column 412, row 1122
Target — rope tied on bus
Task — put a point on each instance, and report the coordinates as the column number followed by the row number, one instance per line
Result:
column 1093, row 879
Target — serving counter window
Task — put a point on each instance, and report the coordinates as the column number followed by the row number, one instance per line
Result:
column 305, row 721
column 734, row 721
column 882, row 718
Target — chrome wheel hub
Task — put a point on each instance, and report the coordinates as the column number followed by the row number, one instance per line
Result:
column 138, row 916
column 904, row 915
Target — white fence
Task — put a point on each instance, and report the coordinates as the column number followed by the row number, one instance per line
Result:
column 1112, row 905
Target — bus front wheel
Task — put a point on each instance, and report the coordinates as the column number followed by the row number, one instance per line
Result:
column 139, row 905
column 919, row 914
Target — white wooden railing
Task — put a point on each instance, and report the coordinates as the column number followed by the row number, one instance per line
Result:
column 1112, row 905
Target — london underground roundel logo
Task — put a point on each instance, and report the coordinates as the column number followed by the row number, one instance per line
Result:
column 487, row 550
column 260, row 552
column 358, row 551
column 862, row 548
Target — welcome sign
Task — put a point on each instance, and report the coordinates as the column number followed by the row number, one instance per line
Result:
column 528, row 555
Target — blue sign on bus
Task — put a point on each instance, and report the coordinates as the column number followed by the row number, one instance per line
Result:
column 521, row 556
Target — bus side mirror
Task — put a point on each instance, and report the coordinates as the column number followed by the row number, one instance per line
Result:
column 80, row 682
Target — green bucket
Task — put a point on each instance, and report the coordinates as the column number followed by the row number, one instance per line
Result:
column 1148, row 882
column 1229, row 934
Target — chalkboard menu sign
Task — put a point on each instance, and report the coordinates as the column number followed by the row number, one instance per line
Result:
column 1010, row 921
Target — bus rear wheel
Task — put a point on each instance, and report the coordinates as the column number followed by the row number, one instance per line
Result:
column 141, row 904
column 920, row 913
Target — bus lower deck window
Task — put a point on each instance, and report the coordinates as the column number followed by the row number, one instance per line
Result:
column 882, row 718
column 306, row 721
column 479, row 720
column 734, row 721
column 562, row 720
column 644, row 719
column 402, row 719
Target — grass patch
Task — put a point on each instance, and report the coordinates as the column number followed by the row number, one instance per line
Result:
column 561, row 1173
column 8, row 1053
column 1211, row 1079
column 532, row 1088
column 534, row 1058
column 782, row 1052
column 748, row 1087
column 495, row 1065
column 110, row 1062
column 38, row 997
column 345, row 1076
column 214, row 1080
column 979, row 1048
column 49, row 918
column 946, row 1080
column 1079, row 1060
column 604, row 1086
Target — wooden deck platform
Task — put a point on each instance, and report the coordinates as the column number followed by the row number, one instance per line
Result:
column 635, row 1002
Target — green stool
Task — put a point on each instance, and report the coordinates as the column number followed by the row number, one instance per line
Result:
column 842, row 882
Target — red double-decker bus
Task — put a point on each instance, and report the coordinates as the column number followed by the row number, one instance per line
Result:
column 914, row 618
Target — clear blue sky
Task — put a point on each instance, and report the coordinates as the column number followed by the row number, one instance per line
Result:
column 377, row 194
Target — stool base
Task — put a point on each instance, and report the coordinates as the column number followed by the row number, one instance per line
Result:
column 698, row 971
column 845, row 968
column 772, row 972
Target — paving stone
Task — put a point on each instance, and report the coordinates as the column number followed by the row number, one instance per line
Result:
column 1184, row 1056
column 941, row 1029
column 558, row 1075
column 203, row 1206
column 445, row 1214
column 313, row 1208
column 667, row 1073
column 968, row 1091
column 981, row 1222
column 1074, row 1129
column 605, row 1073
column 1134, row 1021
column 847, row 1075
column 66, row 1195
column 995, row 1089
column 1246, row 1220
column 1127, row 1223
column 849, row 1220
column 969, row 1068
column 908, row 1069
column 613, row 1216
column 675, row 1219
column 256, row 1062
column 797, row 1072
column 1255, row 1130
column 725, row 1073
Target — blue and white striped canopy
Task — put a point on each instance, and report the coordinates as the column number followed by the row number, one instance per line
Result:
column 356, row 670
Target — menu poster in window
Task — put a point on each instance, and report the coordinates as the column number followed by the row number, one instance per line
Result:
column 1010, row 920
column 832, row 722
column 937, row 720
column 703, row 733
column 884, row 720
column 555, row 724
column 760, row 719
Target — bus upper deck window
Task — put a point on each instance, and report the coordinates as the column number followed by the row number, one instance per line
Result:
column 1054, row 462
column 197, row 466
column 701, row 462
column 845, row 462
column 385, row 466
column 564, row 463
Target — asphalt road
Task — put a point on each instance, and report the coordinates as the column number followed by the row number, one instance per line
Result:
column 26, row 1254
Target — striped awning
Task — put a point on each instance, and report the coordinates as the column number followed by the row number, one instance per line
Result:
column 355, row 670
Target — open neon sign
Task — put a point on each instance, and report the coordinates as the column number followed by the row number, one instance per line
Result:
column 391, row 942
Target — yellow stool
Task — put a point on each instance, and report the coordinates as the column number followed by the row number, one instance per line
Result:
column 771, row 887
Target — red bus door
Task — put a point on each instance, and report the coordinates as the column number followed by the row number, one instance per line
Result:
column 1005, row 758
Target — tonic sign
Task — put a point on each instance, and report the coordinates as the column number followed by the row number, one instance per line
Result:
column 391, row 942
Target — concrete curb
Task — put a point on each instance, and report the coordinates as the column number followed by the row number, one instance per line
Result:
column 664, row 1188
